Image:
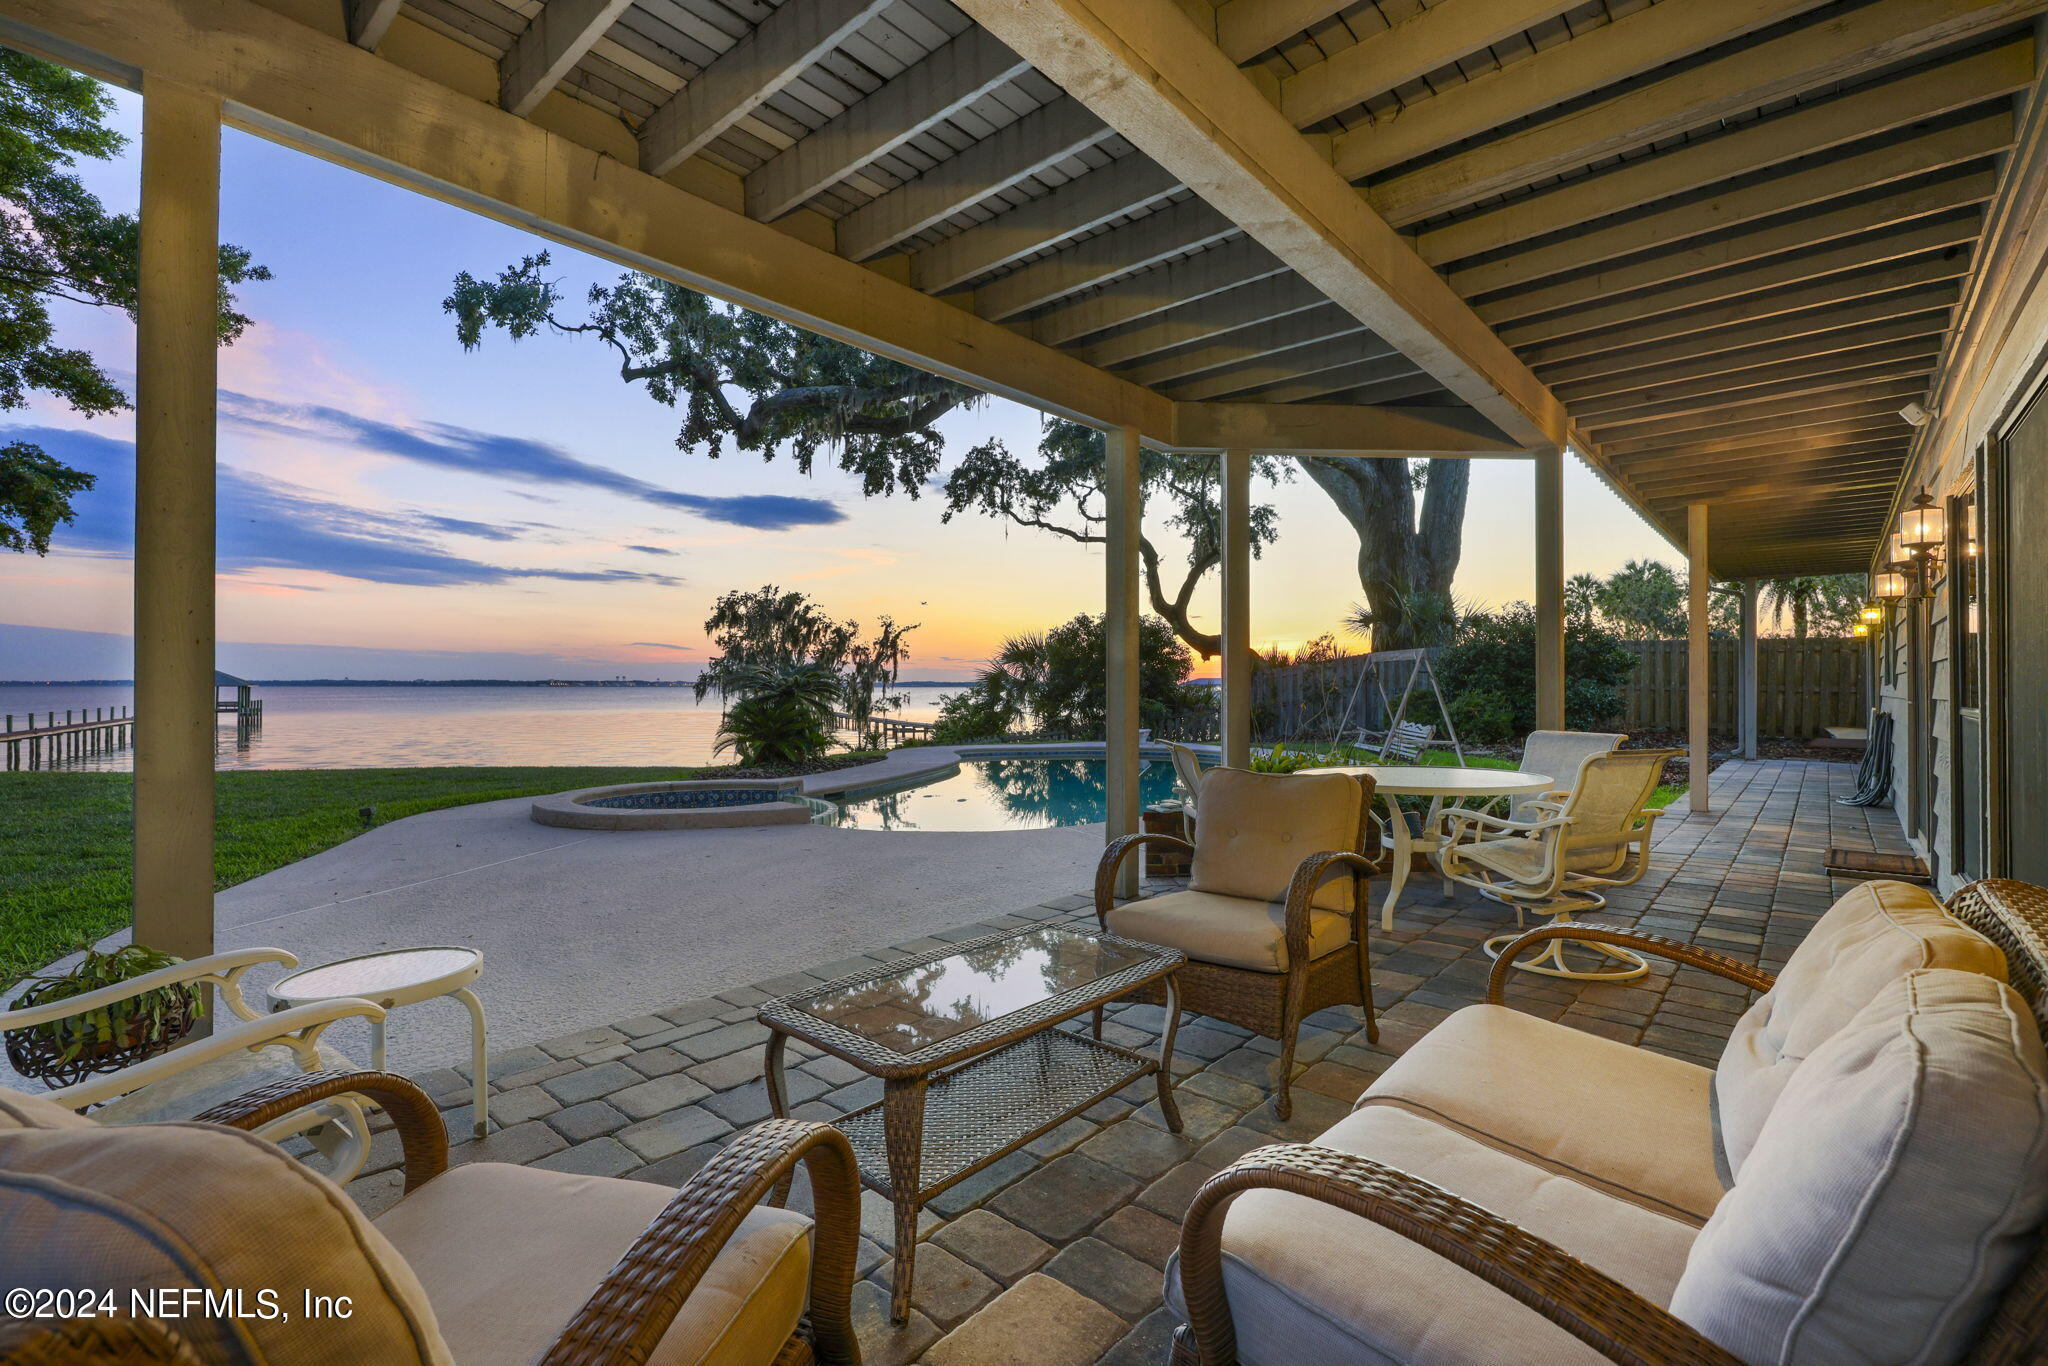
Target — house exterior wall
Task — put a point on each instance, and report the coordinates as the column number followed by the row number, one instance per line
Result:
column 1995, row 366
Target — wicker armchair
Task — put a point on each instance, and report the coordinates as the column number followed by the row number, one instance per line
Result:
column 1617, row 1321
column 1274, row 918
column 711, row 1274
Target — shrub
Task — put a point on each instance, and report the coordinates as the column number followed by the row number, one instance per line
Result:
column 779, row 717
column 982, row 712
column 1491, row 669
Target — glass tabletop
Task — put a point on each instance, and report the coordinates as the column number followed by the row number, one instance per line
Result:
column 922, row 1003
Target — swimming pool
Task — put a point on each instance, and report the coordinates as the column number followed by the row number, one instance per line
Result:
column 1002, row 794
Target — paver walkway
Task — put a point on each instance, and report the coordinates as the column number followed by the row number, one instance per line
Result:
column 1053, row 1256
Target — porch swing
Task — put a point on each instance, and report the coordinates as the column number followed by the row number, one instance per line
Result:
column 1402, row 741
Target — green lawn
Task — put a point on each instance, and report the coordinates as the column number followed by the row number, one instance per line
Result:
column 64, row 837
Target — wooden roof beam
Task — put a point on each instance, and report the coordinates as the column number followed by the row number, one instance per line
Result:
column 1762, row 419
column 1072, row 210
column 1326, row 323
column 1882, row 361
column 1791, row 398
column 1648, row 472
column 1216, row 315
column 1334, row 429
column 1357, row 351
column 1386, row 379
column 781, row 48
column 1146, row 69
column 1786, row 189
column 370, row 20
column 1631, row 45
column 946, row 81
column 1858, row 417
column 1946, row 235
column 1188, row 225
column 1245, row 28
column 1037, row 142
column 1733, row 368
column 1229, row 265
column 1854, row 217
column 1406, row 51
column 1839, row 47
column 542, row 57
column 1815, row 327
column 1833, row 470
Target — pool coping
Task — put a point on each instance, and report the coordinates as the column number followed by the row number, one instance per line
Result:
column 568, row 811
column 913, row 767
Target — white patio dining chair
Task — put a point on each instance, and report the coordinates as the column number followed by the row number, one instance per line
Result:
column 1556, row 864
column 1557, row 754
column 235, row 1059
column 1187, row 767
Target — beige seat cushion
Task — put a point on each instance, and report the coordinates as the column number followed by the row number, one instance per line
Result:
column 1310, row 1285
column 509, row 1254
column 1626, row 1121
column 24, row 1110
column 1865, row 942
column 1256, row 828
column 198, row 1089
column 1225, row 929
column 1894, row 1190
column 173, row 1207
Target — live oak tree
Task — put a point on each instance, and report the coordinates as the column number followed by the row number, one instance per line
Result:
column 58, row 242
column 767, row 387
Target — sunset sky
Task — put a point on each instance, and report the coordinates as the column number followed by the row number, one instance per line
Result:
column 392, row 507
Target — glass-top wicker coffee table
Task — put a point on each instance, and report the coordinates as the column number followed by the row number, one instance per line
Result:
column 973, row 1066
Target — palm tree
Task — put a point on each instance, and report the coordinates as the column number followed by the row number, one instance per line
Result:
column 1833, row 599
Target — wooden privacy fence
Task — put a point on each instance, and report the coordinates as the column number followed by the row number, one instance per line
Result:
column 1803, row 686
column 1308, row 701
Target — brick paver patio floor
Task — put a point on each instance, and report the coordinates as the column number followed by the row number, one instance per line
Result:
column 1053, row 1255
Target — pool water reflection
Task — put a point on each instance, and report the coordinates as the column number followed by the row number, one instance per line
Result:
column 1005, row 794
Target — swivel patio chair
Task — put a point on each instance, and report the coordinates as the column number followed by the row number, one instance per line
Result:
column 1187, row 767
column 1273, row 920
column 1554, row 864
column 480, row 1265
column 1558, row 754
column 233, row 1060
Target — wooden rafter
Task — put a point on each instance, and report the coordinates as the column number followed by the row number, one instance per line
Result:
column 550, row 48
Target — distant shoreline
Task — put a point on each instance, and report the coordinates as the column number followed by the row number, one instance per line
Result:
column 430, row 683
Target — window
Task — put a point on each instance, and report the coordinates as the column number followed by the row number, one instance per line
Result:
column 1966, row 610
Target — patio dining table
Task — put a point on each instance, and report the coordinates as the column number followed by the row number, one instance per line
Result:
column 1441, row 786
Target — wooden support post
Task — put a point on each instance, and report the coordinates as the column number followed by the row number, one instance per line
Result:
column 1237, row 607
column 177, row 319
column 1550, row 589
column 1746, row 679
column 1697, row 684
column 1123, row 507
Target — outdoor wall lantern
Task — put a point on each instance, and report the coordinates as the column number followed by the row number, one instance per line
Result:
column 1924, row 525
column 1871, row 614
column 1890, row 586
column 1862, row 629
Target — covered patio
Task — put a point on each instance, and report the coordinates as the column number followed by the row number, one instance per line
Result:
column 1728, row 255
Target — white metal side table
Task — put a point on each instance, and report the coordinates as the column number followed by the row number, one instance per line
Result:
column 399, row 977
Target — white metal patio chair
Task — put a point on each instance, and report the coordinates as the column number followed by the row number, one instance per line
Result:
column 235, row 1059
column 1187, row 767
column 1557, row 754
column 1554, row 865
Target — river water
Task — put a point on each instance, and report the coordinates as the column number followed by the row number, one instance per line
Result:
column 425, row 727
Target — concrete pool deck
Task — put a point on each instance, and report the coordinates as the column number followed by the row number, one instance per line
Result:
column 580, row 928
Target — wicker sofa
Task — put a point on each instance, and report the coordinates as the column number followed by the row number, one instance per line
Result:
column 1862, row 1178
column 475, row 1266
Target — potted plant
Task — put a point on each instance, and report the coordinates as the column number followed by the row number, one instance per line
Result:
column 65, row 1051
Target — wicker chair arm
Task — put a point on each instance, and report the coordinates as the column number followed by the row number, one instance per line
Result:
column 93, row 1342
column 421, row 1135
column 1309, row 875
column 1677, row 950
column 1588, row 1304
column 621, row 1323
column 1113, row 857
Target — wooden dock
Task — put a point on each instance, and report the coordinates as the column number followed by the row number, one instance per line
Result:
column 83, row 732
column 889, row 728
